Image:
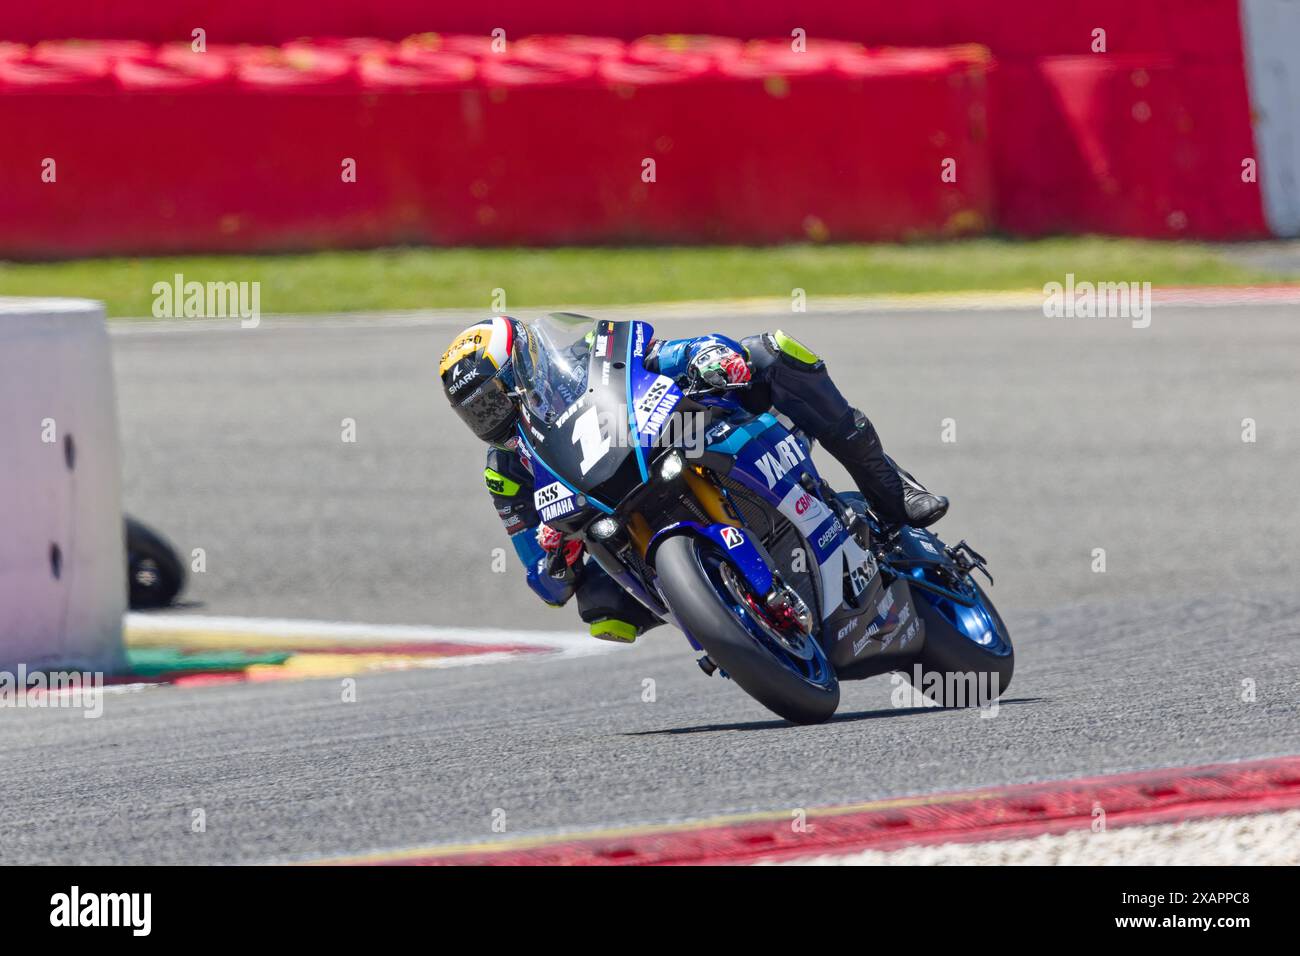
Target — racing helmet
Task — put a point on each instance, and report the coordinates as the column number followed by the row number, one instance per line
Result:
column 477, row 376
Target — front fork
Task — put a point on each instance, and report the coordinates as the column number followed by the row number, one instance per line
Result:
column 779, row 603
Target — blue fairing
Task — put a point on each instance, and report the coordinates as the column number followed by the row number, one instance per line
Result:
column 813, row 578
column 653, row 397
column 767, row 458
column 637, row 385
column 739, row 548
column 543, row 476
column 731, row 438
column 737, row 543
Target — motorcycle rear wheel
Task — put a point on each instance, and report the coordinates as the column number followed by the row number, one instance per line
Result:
column 155, row 575
column 968, row 648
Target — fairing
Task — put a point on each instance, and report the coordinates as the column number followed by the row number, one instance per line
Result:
column 592, row 410
column 596, row 450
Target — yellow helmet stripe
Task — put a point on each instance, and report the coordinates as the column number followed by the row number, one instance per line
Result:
column 467, row 343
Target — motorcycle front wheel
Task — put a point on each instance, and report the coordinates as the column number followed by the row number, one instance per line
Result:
column 783, row 669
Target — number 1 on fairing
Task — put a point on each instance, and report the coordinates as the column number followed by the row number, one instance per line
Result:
column 586, row 434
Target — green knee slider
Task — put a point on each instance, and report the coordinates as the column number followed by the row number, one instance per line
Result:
column 795, row 349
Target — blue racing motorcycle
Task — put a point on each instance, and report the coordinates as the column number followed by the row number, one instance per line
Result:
column 716, row 519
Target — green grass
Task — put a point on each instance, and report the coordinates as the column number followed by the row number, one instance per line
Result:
column 465, row 278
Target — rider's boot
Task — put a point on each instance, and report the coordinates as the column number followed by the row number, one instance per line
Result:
column 894, row 494
column 924, row 507
column 792, row 379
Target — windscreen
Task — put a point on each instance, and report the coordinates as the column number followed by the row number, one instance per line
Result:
column 550, row 362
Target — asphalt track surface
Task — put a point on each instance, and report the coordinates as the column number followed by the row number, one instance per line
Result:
column 1072, row 434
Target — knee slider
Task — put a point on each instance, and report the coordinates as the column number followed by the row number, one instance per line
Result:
column 794, row 350
column 777, row 348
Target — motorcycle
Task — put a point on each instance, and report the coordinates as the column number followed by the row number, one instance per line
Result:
column 716, row 519
column 155, row 575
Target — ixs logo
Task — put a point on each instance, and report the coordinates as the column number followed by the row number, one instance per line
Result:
column 655, row 406
column 860, row 577
column 654, row 424
column 776, row 464
column 74, row 908
column 554, row 501
column 650, row 401
column 550, row 494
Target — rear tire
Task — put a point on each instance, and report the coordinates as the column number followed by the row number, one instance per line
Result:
column 155, row 575
column 695, row 600
column 949, row 652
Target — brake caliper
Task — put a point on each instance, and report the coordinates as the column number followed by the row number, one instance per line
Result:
column 787, row 609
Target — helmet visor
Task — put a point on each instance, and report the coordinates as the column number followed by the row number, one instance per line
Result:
column 488, row 410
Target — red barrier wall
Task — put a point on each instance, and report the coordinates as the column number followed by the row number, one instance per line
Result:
column 1147, row 138
column 1011, row 28
column 240, row 148
column 1126, row 145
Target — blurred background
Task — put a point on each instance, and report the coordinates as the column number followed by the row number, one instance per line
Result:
column 763, row 165
column 149, row 128
column 894, row 184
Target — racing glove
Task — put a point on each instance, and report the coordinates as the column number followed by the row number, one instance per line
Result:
column 717, row 365
column 552, row 541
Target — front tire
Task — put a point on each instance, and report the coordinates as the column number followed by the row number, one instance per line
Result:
column 690, row 573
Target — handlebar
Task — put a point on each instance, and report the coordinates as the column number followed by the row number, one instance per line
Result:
column 690, row 391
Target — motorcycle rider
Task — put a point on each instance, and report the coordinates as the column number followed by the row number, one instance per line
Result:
column 779, row 373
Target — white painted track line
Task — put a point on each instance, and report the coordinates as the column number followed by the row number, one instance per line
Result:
column 567, row 643
column 834, row 305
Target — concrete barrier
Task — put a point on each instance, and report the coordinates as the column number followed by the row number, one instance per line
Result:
column 62, row 564
column 1272, row 31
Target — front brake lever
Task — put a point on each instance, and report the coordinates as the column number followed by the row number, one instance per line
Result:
column 692, row 392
